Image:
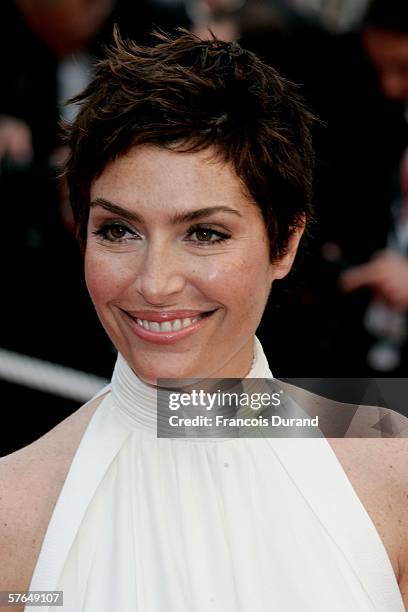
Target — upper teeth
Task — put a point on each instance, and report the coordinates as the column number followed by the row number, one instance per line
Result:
column 167, row 326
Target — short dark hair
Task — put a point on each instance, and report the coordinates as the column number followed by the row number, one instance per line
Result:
column 190, row 94
column 390, row 15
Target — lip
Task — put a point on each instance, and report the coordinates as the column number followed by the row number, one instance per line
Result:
column 165, row 337
column 165, row 315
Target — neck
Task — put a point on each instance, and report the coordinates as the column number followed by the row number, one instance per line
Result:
column 137, row 400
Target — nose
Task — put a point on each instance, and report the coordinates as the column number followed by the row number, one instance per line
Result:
column 161, row 275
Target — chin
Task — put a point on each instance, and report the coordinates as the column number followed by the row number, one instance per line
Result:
column 152, row 373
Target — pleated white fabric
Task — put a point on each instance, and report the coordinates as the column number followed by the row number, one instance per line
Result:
column 197, row 525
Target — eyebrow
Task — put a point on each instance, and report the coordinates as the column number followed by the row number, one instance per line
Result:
column 179, row 217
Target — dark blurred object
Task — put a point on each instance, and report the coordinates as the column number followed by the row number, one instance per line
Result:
column 46, row 311
column 33, row 414
column 29, row 83
column 359, row 146
column 137, row 20
column 389, row 15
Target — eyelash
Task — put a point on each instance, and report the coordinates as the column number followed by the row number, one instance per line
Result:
column 221, row 236
column 102, row 233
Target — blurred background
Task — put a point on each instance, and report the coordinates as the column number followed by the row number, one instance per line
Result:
column 342, row 313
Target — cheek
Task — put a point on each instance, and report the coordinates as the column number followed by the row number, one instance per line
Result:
column 104, row 276
column 240, row 281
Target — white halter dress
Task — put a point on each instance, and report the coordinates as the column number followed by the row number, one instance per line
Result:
column 147, row 524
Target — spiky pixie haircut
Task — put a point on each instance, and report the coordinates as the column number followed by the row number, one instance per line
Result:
column 189, row 94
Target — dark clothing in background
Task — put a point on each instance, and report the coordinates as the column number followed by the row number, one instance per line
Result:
column 137, row 20
column 359, row 147
column 29, row 79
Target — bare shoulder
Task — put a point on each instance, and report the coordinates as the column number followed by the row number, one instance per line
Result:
column 374, row 456
column 30, row 482
column 378, row 470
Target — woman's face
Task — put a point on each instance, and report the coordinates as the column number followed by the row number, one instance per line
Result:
column 177, row 264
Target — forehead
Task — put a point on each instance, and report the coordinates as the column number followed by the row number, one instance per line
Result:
column 155, row 177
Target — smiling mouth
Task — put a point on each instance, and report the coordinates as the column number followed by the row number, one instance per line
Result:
column 174, row 325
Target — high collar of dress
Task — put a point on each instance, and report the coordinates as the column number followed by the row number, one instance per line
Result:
column 138, row 399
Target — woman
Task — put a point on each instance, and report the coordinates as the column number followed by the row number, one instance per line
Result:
column 190, row 177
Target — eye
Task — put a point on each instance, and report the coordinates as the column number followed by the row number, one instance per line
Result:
column 206, row 235
column 114, row 232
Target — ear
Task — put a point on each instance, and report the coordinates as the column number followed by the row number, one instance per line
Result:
column 281, row 268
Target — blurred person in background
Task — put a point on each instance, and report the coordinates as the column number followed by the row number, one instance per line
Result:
column 359, row 144
column 36, row 35
column 385, row 40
